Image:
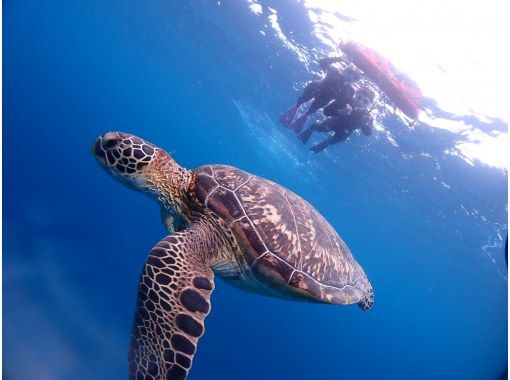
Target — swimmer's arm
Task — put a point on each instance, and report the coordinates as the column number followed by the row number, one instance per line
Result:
column 344, row 111
column 367, row 125
column 325, row 62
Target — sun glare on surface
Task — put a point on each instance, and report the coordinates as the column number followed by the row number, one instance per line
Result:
column 455, row 51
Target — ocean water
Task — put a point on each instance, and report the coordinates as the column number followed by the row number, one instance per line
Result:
column 423, row 209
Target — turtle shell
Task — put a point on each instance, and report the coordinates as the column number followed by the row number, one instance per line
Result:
column 285, row 241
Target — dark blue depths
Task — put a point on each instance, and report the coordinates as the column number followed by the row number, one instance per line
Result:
column 202, row 81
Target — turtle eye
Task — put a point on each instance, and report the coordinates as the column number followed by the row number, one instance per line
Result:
column 110, row 143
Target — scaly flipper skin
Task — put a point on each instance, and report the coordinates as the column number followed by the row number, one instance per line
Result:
column 173, row 301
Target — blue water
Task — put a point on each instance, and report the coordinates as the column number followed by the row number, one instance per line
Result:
column 203, row 82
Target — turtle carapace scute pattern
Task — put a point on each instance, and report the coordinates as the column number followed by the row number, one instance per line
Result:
column 284, row 240
column 222, row 221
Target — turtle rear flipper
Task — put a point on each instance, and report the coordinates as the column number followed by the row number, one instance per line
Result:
column 173, row 301
column 367, row 302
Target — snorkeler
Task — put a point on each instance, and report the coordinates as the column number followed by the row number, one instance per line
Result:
column 334, row 85
column 343, row 119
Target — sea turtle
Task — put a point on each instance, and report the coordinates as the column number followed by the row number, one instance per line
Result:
column 254, row 233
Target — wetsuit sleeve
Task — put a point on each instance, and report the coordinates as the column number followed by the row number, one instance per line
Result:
column 368, row 126
column 310, row 91
column 331, row 108
column 326, row 61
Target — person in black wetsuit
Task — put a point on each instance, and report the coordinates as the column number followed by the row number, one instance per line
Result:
column 335, row 84
column 342, row 119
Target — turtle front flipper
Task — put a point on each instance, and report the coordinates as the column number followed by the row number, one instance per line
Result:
column 173, row 301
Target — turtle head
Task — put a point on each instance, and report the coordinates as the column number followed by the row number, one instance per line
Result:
column 142, row 166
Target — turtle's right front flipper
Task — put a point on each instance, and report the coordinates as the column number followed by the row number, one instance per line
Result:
column 173, row 301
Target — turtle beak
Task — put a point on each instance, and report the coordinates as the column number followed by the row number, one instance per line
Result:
column 98, row 150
